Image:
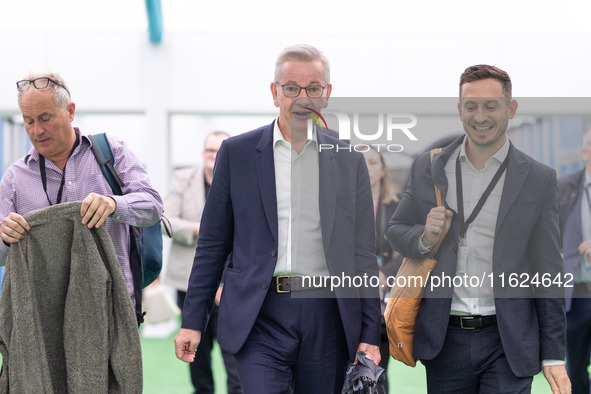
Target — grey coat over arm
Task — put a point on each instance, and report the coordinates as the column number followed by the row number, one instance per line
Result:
column 66, row 319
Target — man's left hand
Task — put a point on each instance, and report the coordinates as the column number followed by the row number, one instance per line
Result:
column 95, row 209
column 558, row 379
column 371, row 351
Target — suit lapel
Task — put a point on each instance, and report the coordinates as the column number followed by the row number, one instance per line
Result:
column 266, row 176
column 327, row 196
column 517, row 171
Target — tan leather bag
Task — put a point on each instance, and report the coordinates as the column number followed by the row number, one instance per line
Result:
column 405, row 300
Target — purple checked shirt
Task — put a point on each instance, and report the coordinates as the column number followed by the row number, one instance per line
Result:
column 21, row 191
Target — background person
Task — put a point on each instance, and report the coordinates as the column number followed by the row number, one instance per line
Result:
column 574, row 209
column 184, row 203
column 385, row 202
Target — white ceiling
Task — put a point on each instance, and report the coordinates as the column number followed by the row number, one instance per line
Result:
column 309, row 16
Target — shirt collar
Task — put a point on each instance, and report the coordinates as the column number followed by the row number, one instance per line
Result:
column 587, row 178
column 499, row 156
column 279, row 140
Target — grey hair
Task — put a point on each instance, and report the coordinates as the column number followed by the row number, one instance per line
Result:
column 302, row 53
column 61, row 96
column 587, row 138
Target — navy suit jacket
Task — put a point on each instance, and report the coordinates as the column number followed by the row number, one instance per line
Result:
column 570, row 189
column 240, row 216
column 531, row 320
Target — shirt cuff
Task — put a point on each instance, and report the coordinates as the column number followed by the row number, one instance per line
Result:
column 422, row 248
column 121, row 211
column 549, row 363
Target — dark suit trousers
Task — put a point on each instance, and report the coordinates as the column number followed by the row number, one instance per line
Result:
column 471, row 362
column 578, row 340
column 201, row 373
column 296, row 344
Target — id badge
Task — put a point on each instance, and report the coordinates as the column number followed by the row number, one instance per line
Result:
column 462, row 266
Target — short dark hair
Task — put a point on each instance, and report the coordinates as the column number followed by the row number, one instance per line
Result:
column 485, row 71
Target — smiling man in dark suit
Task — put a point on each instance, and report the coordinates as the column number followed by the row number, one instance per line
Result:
column 501, row 212
column 285, row 210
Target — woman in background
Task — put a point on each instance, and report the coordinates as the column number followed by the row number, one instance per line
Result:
column 385, row 202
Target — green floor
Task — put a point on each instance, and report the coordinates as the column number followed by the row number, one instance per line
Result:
column 164, row 374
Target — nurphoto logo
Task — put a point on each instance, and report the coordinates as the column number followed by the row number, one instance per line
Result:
column 365, row 127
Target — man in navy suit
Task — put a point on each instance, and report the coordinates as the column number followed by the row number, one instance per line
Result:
column 286, row 210
column 489, row 334
column 574, row 210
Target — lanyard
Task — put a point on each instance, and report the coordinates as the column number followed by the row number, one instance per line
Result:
column 44, row 174
column 483, row 198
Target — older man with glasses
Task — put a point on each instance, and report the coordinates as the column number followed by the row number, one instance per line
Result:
column 286, row 211
column 61, row 167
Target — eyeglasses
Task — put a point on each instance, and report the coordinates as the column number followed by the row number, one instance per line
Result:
column 292, row 90
column 39, row 83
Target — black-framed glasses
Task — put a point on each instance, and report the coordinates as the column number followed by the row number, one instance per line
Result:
column 293, row 90
column 38, row 83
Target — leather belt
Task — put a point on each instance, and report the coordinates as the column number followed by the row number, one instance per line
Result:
column 287, row 284
column 472, row 322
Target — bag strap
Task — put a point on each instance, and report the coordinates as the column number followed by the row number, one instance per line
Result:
column 440, row 203
column 104, row 156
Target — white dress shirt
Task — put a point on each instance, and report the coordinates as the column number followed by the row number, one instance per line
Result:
column 297, row 181
column 480, row 236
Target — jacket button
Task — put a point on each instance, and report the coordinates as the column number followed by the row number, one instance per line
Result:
column 273, row 253
column 264, row 285
column 456, row 249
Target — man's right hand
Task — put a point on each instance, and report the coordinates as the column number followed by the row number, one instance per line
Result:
column 185, row 344
column 438, row 219
column 14, row 228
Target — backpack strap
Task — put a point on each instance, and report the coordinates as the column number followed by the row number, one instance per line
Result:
column 104, row 156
